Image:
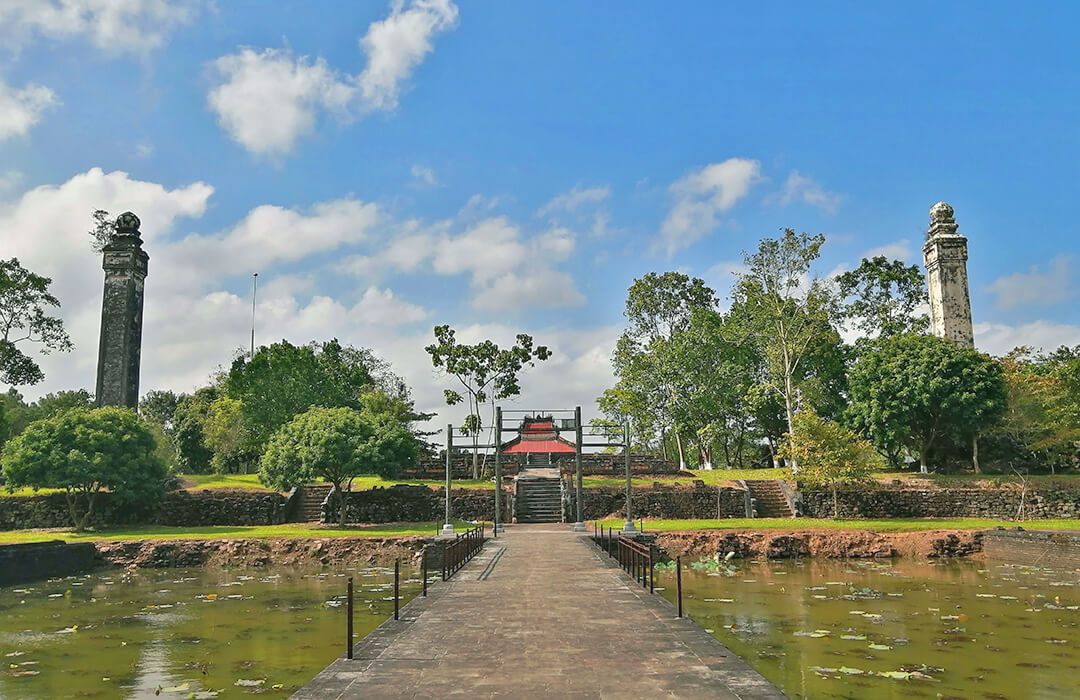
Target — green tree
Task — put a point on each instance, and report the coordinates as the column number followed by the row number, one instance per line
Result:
column 787, row 310
column 189, row 431
column 227, row 434
column 159, row 406
column 882, row 297
column 103, row 230
column 283, row 380
column 828, row 454
column 911, row 391
column 651, row 377
column 486, row 373
column 336, row 444
column 85, row 452
column 24, row 298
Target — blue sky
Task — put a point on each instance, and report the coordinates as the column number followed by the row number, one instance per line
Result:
column 514, row 166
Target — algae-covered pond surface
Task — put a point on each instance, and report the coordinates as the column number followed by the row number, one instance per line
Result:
column 183, row 633
column 866, row 629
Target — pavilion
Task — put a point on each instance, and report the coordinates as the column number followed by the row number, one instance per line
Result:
column 538, row 442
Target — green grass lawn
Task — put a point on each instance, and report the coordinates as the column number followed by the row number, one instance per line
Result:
column 894, row 525
column 288, row 531
column 250, row 482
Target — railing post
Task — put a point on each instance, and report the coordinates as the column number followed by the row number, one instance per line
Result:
column 397, row 583
column 423, row 570
column 652, row 569
column 678, row 582
column 349, row 623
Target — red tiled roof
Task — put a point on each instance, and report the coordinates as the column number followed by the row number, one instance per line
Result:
column 544, row 446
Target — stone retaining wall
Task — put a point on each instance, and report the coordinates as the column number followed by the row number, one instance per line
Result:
column 615, row 465
column 885, row 502
column 405, row 503
column 178, row 508
column 39, row 560
column 661, row 501
column 1044, row 549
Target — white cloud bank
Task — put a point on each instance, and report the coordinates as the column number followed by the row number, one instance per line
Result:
column 193, row 322
column 267, row 100
column 21, row 109
column 112, row 25
column 701, row 197
column 1037, row 287
column 801, row 189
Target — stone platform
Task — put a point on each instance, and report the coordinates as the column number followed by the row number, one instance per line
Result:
column 540, row 613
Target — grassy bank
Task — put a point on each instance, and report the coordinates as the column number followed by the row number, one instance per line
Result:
column 288, row 531
column 893, row 525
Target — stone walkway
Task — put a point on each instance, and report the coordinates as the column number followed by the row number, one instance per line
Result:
column 540, row 613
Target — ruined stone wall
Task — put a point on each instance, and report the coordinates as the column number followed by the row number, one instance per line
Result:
column 661, row 501
column 405, row 503
column 460, row 467
column 998, row 504
column 179, row 509
column 615, row 465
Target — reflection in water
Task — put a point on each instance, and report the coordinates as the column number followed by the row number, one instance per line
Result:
column 894, row 629
column 183, row 632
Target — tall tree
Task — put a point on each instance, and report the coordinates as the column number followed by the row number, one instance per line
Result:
column 829, row 453
column 189, row 431
column 24, row 298
column 85, row 452
column 485, row 372
column 882, row 297
column 159, row 406
column 913, row 391
column 788, row 309
column 336, row 444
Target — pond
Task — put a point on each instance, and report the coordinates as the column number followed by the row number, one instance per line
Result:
column 894, row 629
column 184, row 633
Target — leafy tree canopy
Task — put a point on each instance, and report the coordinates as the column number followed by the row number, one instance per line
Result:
column 882, row 297
column 84, row 452
column 24, row 299
column 336, row 444
column 910, row 391
column 828, row 454
column 160, row 407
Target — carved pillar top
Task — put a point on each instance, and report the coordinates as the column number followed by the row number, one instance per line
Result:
column 942, row 222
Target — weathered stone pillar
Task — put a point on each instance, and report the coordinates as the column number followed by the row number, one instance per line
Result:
column 945, row 255
column 125, row 265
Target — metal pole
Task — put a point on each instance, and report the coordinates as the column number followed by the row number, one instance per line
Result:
column 397, row 583
column 579, row 521
column 498, row 468
column 448, row 525
column 629, row 527
column 652, row 570
column 348, row 624
column 254, row 289
column 678, row 582
column 423, row 569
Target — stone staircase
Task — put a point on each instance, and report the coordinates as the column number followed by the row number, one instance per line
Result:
column 311, row 498
column 539, row 499
column 769, row 499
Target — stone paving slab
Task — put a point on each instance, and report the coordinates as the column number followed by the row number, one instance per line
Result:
column 554, row 618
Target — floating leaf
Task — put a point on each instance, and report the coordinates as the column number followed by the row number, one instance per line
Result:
column 854, row 637
column 177, row 688
column 851, row 671
column 880, row 647
column 896, row 675
column 249, row 683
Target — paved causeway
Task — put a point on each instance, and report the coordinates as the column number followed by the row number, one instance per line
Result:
column 540, row 613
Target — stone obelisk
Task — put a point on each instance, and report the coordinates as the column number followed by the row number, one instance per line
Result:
column 125, row 265
column 945, row 255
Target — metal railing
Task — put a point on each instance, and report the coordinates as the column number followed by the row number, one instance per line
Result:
column 457, row 553
column 637, row 559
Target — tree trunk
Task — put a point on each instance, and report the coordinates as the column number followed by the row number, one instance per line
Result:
column 975, row 453
column 835, row 503
column 341, row 503
column 682, row 457
column 663, row 442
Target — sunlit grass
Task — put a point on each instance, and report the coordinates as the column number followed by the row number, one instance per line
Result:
column 891, row 525
column 217, row 532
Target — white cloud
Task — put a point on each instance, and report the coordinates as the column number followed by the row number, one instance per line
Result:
column 267, row 100
column 1000, row 338
column 701, row 196
column 573, row 200
column 424, row 176
column 381, row 307
column 898, row 250
column 113, row 25
column 533, row 287
column 1055, row 285
column 21, row 108
column 9, row 180
column 396, row 45
column 799, row 188
column 486, row 250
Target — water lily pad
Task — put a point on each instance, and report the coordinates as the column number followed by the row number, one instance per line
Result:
column 243, row 683
column 880, row 647
column 854, row 637
column 177, row 688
